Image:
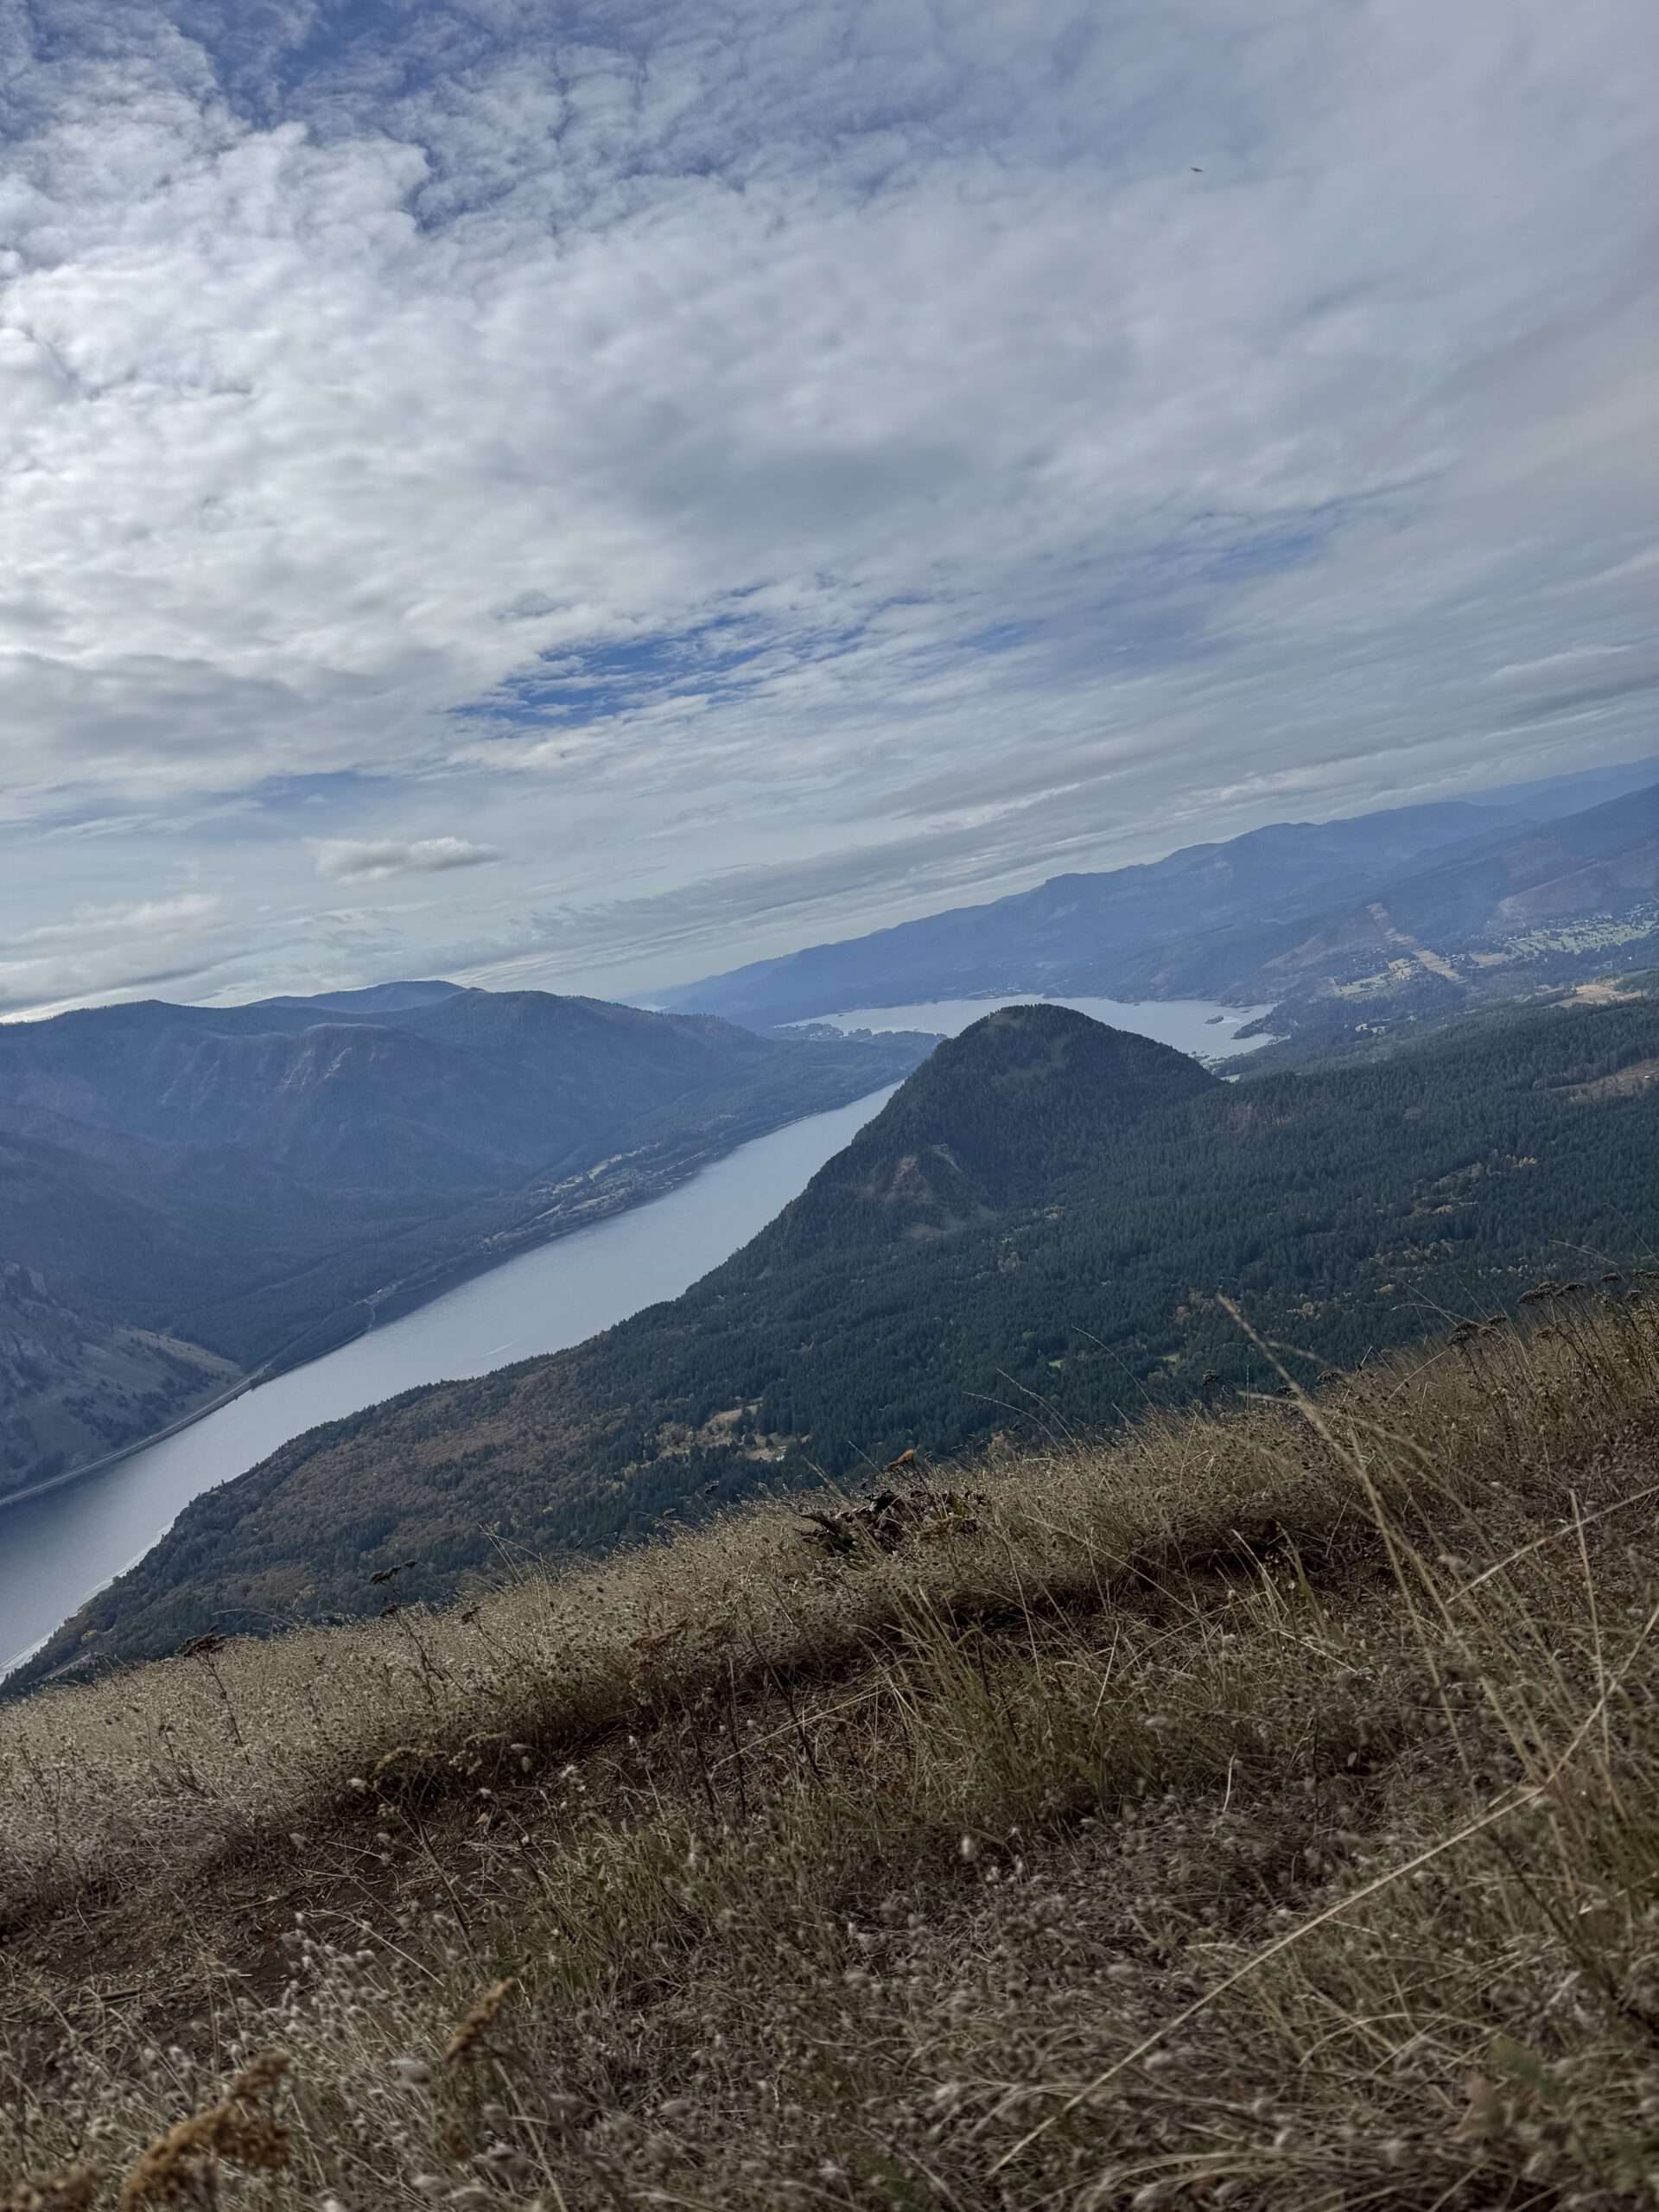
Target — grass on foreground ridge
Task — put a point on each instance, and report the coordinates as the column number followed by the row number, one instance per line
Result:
column 1261, row 1810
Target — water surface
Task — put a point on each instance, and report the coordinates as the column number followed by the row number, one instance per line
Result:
column 1190, row 1025
column 57, row 1549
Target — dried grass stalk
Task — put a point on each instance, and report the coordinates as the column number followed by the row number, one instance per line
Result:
column 472, row 2030
column 236, row 2130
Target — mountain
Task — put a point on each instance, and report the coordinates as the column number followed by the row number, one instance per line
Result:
column 464, row 1091
column 1604, row 860
column 1031, row 1237
column 1496, row 912
column 72, row 1386
column 248, row 1185
column 375, row 999
column 997, row 1118
column 1207, row 920
column 1079, row 932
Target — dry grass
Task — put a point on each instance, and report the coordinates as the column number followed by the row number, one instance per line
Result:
column 1263, row 1811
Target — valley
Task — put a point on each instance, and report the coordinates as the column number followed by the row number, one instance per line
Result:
column 829, row 1107
column 590, row 1252
column 1350, row 928
column 57, row 1548
column 1035, row 1236
column 191, row 1198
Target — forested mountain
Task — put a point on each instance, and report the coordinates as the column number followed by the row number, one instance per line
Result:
column 1116, row 1190
column 1467, row 900
column 474, row 1087
column 247, row 1183
column 73, row 1383
column 997, row 1119
column 1559, row 897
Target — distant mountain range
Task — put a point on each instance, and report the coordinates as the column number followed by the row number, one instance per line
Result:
column 189, row 1193
column 1338, row 922
column 1032, row 1235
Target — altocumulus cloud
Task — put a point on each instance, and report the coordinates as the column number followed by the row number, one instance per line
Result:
column 788, row 465
column 346, row 859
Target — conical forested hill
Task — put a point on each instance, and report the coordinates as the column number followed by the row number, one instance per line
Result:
column 994, row 1120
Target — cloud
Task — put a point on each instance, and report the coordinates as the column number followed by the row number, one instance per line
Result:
column 110, row 951
column 843, row 446
column 354, row 860
column 145, row 918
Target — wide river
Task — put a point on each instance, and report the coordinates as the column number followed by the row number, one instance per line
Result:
column 57, row 1549
column 1190, row 1025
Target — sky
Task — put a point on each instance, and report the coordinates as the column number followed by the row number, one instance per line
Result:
column 581, row 496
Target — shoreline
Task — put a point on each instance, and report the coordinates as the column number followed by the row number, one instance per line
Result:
column 668, row 1182
column 410, row 1293
column 109, row 1459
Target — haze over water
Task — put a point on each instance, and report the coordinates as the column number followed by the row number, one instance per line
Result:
column 1190, row 1025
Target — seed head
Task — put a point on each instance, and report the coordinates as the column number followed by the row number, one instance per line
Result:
column 471, row 2031
column 72, row 2190
column 179, row 2163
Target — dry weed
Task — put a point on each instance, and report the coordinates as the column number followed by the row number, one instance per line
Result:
column 75, row 2189
column 238, row 2131
column 1261, row 1812
column 470, row 2032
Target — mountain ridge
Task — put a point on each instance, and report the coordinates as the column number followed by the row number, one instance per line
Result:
column 1240, row 920
column 1346, row 1209
column 965, row 950
column 251, row 1184
column 993, row 1118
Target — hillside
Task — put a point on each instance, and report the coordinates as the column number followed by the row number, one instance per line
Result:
column 995, row 1119
column 1208, row 920
column 73, row 1386
column 1557, row 900
column 474, row 1088
column 1347, row 1211
column 1088, row 933
column 1255, row 1812
column 249, row 1182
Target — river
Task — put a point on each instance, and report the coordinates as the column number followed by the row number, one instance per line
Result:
column 57, row 1549
column 1190, row 1025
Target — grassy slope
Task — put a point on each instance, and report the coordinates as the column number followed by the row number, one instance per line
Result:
column 1258, row 1810
column 1346, row 1208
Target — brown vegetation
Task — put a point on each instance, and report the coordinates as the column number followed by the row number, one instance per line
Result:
column 1261, row 1811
